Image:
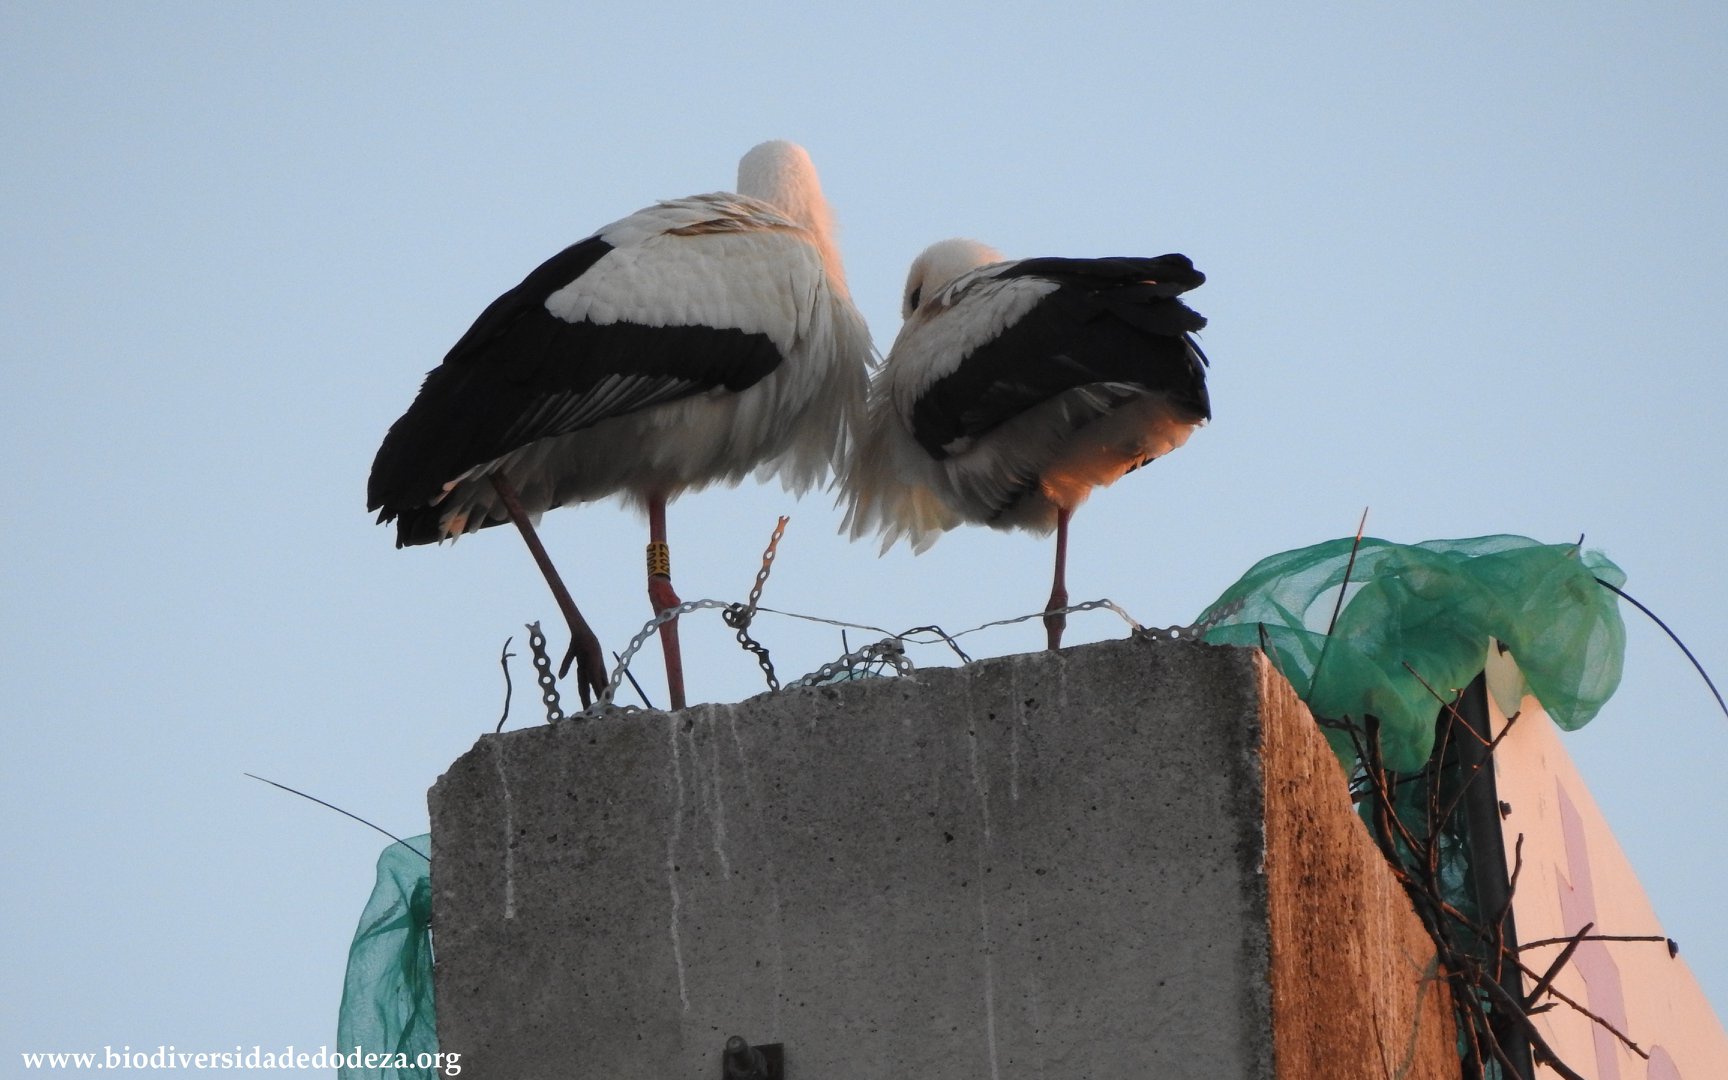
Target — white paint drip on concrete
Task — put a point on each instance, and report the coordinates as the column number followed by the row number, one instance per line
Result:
column 986, row 939
column 509, row 832
column 989, row 981
column 717, row 788
column 673, row 835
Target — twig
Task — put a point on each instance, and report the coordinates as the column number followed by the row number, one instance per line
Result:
column 1343, row 587
column 1489, row 746
column 1559, row 963
column 1601, row 937
column 1610, row 1028
column 1266, row 647
column 1487, row 762
column 1516, row 1011
column 1512, row 882
column 1355, row 546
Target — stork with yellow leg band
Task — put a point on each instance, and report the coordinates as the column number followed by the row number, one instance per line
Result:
column 661, row 597
column 695, row 342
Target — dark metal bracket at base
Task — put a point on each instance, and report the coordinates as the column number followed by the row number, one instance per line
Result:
column 741, row 1061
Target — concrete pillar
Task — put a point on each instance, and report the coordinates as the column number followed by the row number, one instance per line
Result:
column 1131, row 859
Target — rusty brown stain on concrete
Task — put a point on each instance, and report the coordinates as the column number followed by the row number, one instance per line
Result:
column 1356, row 990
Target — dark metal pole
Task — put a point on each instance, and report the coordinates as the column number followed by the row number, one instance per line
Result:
column 1489, row 872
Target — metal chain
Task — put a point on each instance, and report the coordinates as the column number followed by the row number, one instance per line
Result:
column 888, row 651
column 891, row 650
column 767, row 565
column 1087, row 606
column 942, row 635
column 1195, row 632
column 750, row 644
column 738, row 616
column 635, row 646
column 543, row 674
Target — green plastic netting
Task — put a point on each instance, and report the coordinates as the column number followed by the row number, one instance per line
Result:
column 1432, row 606
column 387, row 994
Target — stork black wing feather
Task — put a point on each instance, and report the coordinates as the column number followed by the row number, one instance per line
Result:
column 1111, row 323
column 521, row 374
column 1171, row 274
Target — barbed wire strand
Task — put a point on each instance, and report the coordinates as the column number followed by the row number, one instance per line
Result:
column 878, row 652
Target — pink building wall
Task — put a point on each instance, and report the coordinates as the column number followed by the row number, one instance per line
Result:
column 1575, row 873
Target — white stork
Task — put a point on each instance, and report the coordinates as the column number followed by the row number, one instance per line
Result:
column 695, row 341
column 1015, row 388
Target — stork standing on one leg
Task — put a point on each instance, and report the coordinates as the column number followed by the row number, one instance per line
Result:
column 695, row 341
column 1015, row 388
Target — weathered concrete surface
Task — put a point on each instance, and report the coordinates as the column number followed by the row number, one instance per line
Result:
column 1356, row 987
column 1039, row 865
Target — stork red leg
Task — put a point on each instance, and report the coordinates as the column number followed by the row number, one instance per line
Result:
column 584, row 646
column 1054, row 622
column 661, row 596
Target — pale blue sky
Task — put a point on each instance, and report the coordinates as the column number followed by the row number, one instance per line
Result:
column 1464, row 269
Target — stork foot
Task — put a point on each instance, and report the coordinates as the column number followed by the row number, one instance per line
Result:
column 590, row 661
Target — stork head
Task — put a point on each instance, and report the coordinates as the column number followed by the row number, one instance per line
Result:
column 939, row 265
column 781, row 174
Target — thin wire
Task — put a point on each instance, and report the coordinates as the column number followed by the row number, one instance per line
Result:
column 1087, row 606
column 873, row 653
column 636, row 685
column 949, row 639
column 339, row 810
column 1705, row 675
column 831, row 622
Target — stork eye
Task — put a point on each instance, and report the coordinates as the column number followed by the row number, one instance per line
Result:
column 912, row 298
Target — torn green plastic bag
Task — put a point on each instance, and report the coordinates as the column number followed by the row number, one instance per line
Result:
column 1432, row 606
column 387, row 994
